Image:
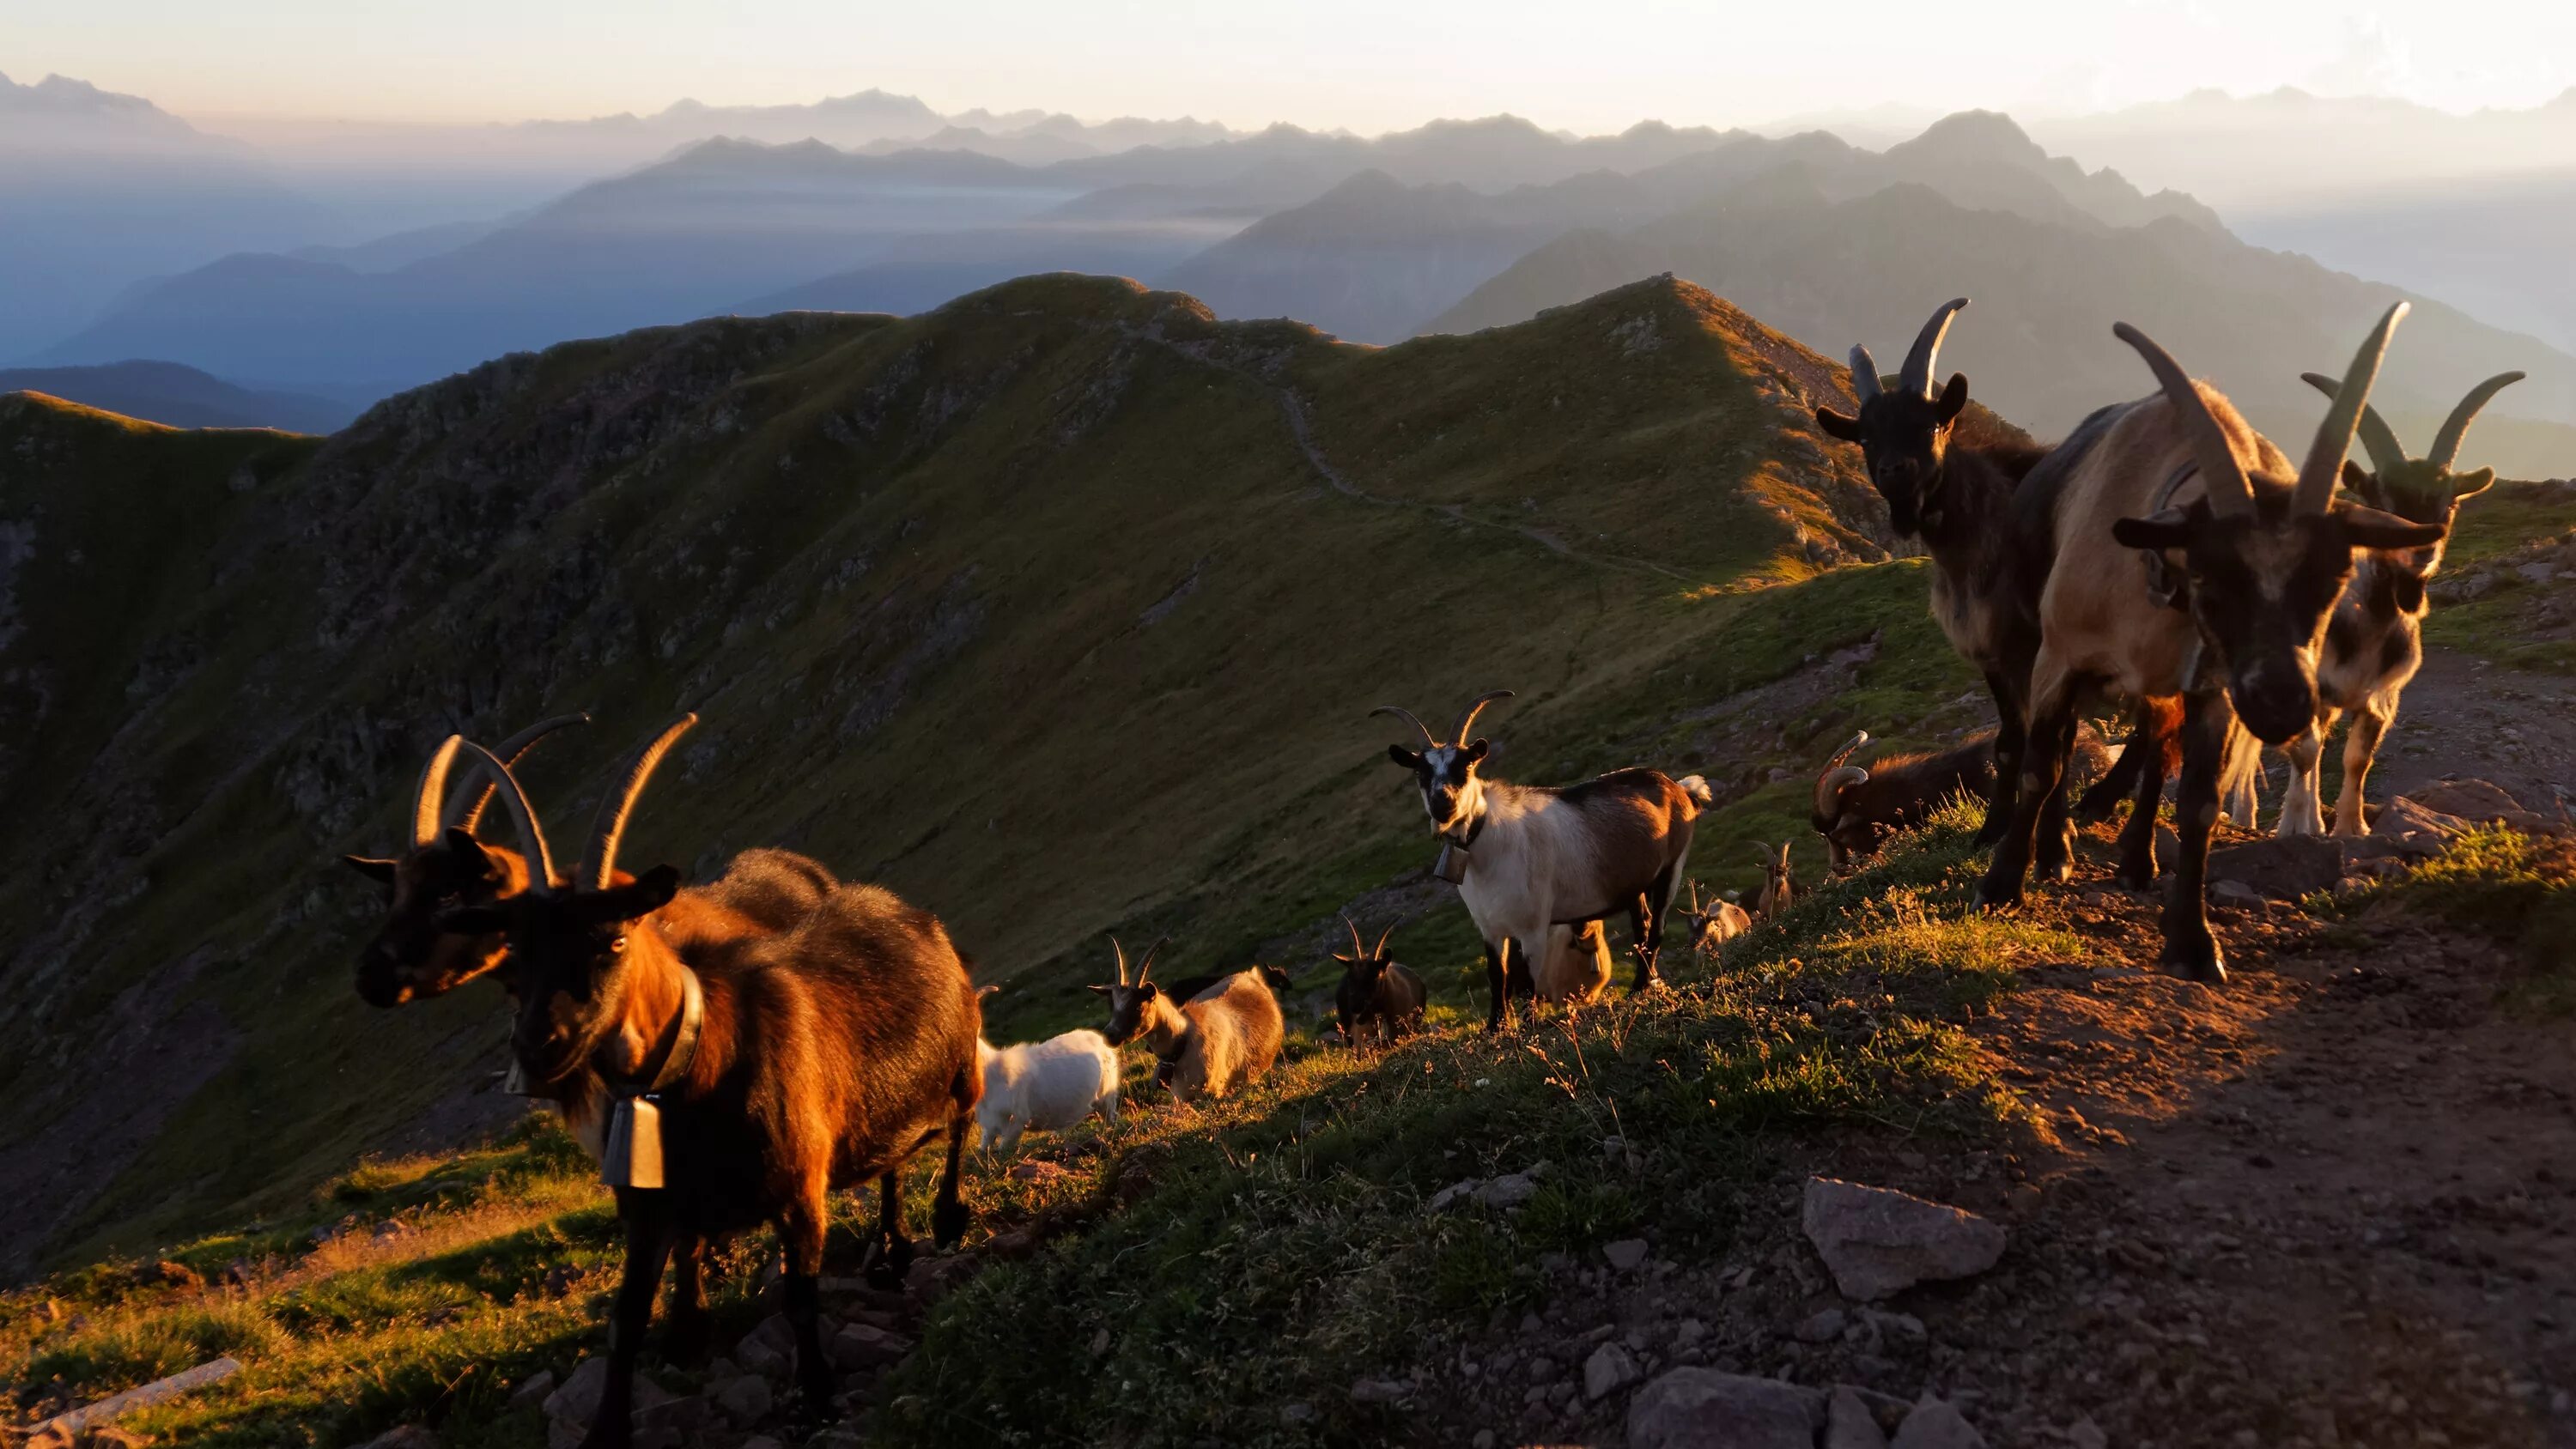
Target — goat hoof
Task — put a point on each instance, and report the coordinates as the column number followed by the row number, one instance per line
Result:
column 2208, row 969
column 2140, row 881
column 948, row 1223
column 1997, row 898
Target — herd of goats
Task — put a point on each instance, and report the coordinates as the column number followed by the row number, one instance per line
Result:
column 733, row 1052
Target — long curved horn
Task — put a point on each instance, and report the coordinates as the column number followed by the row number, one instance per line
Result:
column 1146, row 966
column 511, row 751
column 608, row 826
column 2224, row 477
column 1849, row 745
column 1406, row 715
column 2324, row 466
column 1926, row 351
column 1762, row 853
column 1865, row 383
column 532, row 836
column 2378, row 439
column 1830, row 786
column 429, row 797
column 1357, row 949
column 1467, row 720
column 1122, row 959
column 2446, row 443
column 1382, row 938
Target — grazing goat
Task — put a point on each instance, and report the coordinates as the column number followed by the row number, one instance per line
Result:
column 1376, row 991
column 2375, row 637
column 445, row 866
column 1536, row 858
column 1221, row 1039
column 1856, row 809
column 1960, row 496
column 1049, row 1085
column 750, row 1084
column 1722, row 921
column 1577, row 968
column 1779, row 892
column 2260, row 552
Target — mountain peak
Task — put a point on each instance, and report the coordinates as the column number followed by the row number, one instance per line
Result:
column 1984, row 135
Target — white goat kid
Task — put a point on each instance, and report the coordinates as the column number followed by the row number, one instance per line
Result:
column 1049, row 1085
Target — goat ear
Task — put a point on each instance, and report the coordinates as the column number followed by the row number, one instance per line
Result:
column 1103, row 990
column 1954, row 400
column 470, row 854
column 2169, row 529
column 2470, row 485
column 1834, row 423
column 372, row 868
column 642, row 896
column 2370, row 528
column 2363, row 483
column 1409, row 759
column 1475, row 752
column 1148, row 991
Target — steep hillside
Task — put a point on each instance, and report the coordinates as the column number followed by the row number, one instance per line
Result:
column 2038, row 344
column 1061, row 609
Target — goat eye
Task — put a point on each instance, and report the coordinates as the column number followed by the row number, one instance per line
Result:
column 616, row 944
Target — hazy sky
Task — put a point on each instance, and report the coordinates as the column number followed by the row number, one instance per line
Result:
column 1369, row 65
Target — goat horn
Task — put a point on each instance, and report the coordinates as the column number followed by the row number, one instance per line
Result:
column 532, row 837
column 1926, row 351
column 429, row 798
column 1406, row 715
column 1122, row 959
column 1831, row 785
column 1357, row 950
column 608, row 826
column 2378, row 439
column 2221, row 474
column 1467, row 721
column 1382, row 938
column 2324, row 466
column 1762, row 852
column 1146, row 966
column 1865, row 384
column 511, row 751
column 1849, row 745
column 2446, row 443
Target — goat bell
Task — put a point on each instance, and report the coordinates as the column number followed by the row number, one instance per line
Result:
column 634, row 1154
column 1452, row 864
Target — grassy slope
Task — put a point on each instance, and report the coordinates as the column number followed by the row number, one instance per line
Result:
column 909, row 572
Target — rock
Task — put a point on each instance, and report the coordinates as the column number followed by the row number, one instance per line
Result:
column 1878, row 1242
column 533, row 1389
column 401, row 1436
column 1822, row 1326
column 760, row 1441
column 1625, row 1254
column 864, row 1346
column 1377, row 1391
column 1508, row 1191
column 2088, row 1435
column 746, row 1400
column 169, row 1273
column 1450, row 1196
column 2282, row 867
column 2410, row 826
column 2235, row 895
column 2480, row 802
column 1698, row 1408
column 1297, row 1413
column 1610, row 1369
column 1849, row 1423
column 2537, row 573
column 1936, row 1425
column 1484, row 1440
column 770, row 1349
column 578, row 1400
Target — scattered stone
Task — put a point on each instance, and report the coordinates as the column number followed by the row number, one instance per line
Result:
column 2236, row 895
column 1904, row 1325
column 533, row 1389
column 1484, row 1440
column 1508, row 1191
column 746, row 1400
column 1452, row 1195
column 1297, row 1413
column 1377, row 1391
column 577, row 1402
column 2281, row 867
column 1850, row 1424
column 1823, row 1326
column 1610, row 1369
column 2410, row 828
column 2480, row 802
column 68, row 1426
column 760, row 1441
column 865, row 1346
column 401, row 1436
column 1698, row 1408
column 2088, row 1435
column 1936, row 1425
column 769, row 1350
column 1625, row 1254
column 1878, row 1242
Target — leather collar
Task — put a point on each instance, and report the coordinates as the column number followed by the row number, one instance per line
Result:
column 678, row 1053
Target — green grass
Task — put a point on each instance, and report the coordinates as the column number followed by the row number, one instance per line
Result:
column 2516, row 889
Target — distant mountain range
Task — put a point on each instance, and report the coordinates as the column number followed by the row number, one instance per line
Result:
column 178, row 397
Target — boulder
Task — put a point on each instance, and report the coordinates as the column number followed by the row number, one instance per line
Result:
column 533, row 1389
column 2480, row 802
column 1849, row 1424
column 1609, row 1369
column 745, row 1400
column 1936, row 1425
column 1625, row 1254
column 865, row 1346
column 578, row 1400
column 2411, row 827
column 770, row 1349
column 1509, row 1190
column 1823, row 1326
column 2281, row 867
column 1698, row 1408
column 1878, row 1242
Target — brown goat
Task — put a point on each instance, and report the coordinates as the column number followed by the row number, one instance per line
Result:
column 1779, row 891
column 1225, row 1037
column 1720, row 922
column 2260, row 551
column 1577, row 969
column 1857, row 808
column 1376, row 991
column 751, row 1083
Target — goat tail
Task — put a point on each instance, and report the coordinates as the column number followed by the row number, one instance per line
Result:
column 2240, row 773
column 1696, row 787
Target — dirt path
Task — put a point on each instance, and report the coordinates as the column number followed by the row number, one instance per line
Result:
column 2468, row 719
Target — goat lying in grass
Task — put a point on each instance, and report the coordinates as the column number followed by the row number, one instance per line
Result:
column 1049, row 1085
column 1376, row 991
column 754, row 1078
column 1722, row 921
column 1223, row 1038
column 1577, row 969
column 1858, row 807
